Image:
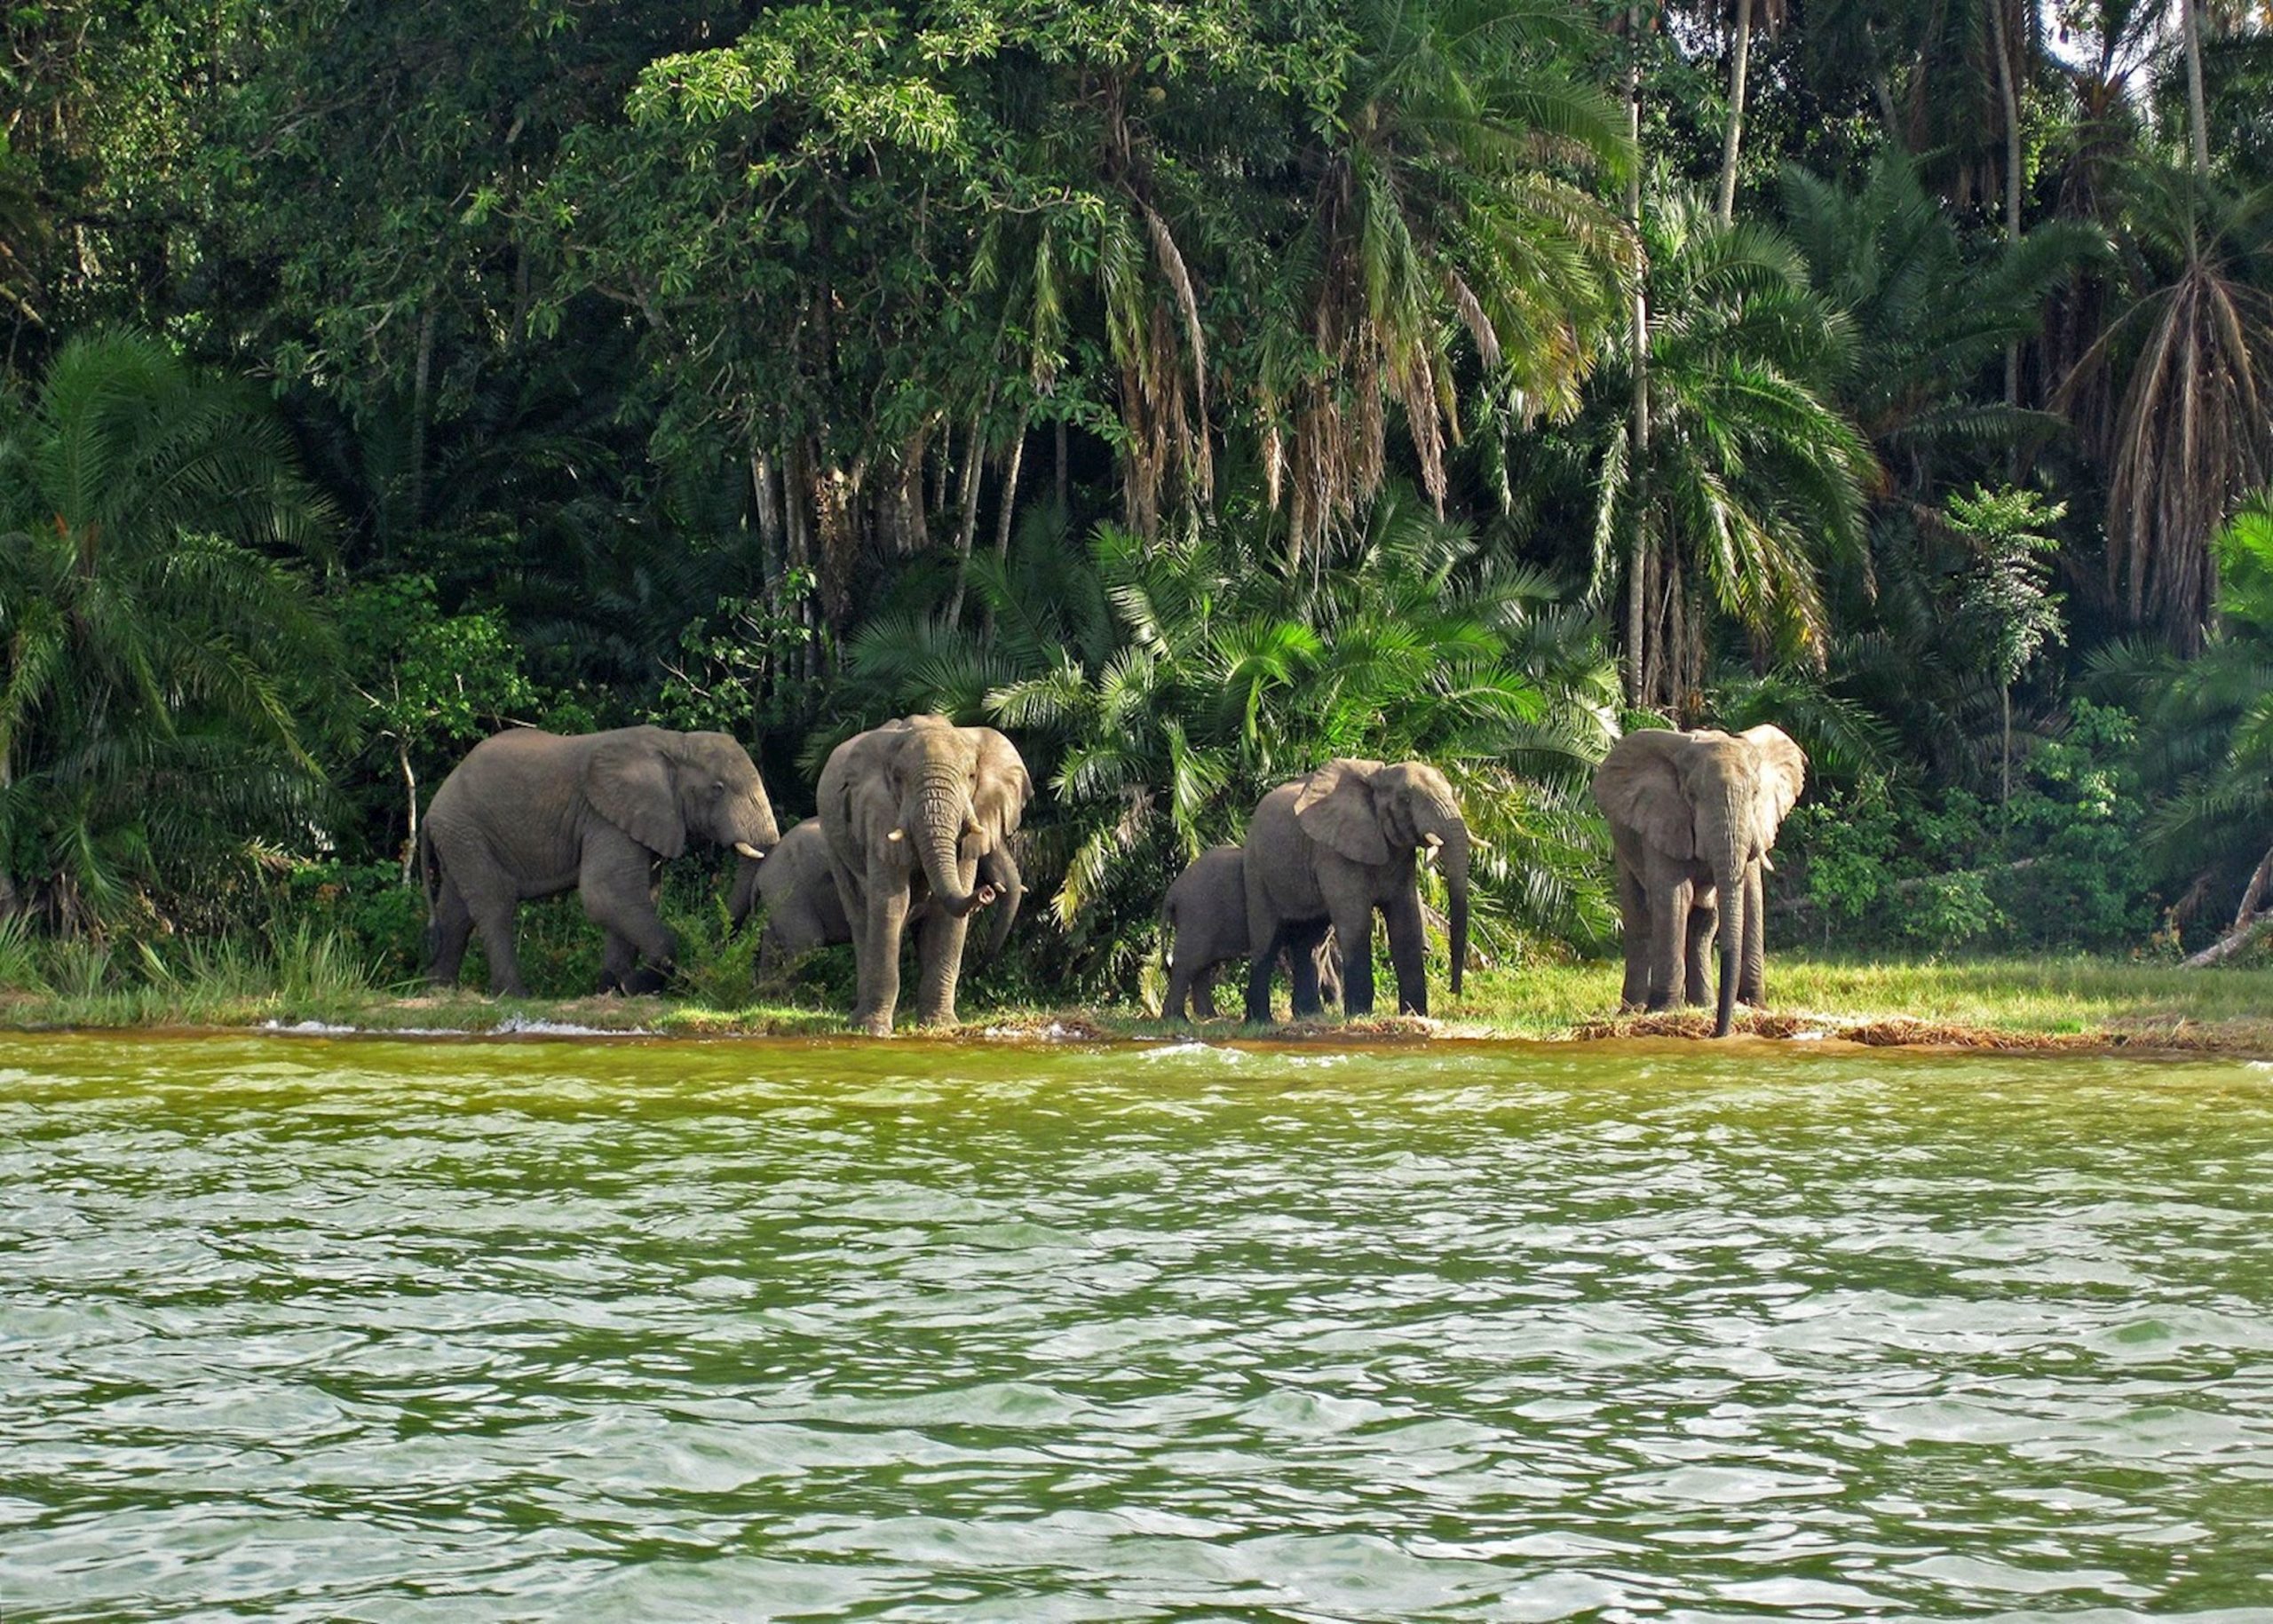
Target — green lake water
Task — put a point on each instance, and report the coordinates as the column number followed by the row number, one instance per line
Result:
column 316, row 1329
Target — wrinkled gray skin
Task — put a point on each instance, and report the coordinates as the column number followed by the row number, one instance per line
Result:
column 1205, row 914
column 908, row 811
column 1692, row 818
column 1330, row 850
column 803, row 911
column 530, row 814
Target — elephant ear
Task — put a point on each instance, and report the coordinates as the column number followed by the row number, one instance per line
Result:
column 1336, row 808
column 1004, row 786
column 1638, row 788
column 628, row 779
column 1782, row 772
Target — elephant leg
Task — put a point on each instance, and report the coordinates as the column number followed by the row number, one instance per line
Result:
column 1188, row 987
column 1408, row 953
column 876, row 950
column 1302, row 970
column 939, row 955
column 618, row 960
column 1353, row 923
column 1702, row 918
column 493, row 917
column 1260, row 965
column 1634, row 912
column 447, row 934
column 1752, row 983
column 618, row 899
column 1668, row 910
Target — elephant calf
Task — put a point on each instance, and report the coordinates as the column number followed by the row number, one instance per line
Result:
column 1692, row 816
column 530, row 814
column 1205, row 913
column 1327, row 851
column 803, row 912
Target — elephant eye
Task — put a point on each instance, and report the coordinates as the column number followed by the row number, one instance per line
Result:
column 719, row 788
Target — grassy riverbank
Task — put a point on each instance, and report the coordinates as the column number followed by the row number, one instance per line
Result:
column 2019, row 1003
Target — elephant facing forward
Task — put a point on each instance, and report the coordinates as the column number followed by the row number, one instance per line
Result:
column 1205, row 914
column 1692, row 817
column 1327, row 851
column 803, row 912
column 908, row 810
column 530, row 814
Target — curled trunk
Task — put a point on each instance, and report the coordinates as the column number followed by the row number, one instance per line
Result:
column 939, row 825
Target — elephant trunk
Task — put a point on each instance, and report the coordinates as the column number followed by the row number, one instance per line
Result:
column 742, row 900
column 1455, row 861
column 937, row 827
column 1730, row 866
column 753, row 833
column 1013, row 886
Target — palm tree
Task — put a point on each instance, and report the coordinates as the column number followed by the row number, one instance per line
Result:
column 1928, row 317
column 156, row 645
column 2207, row 730
column 1755, row 479
column 1438, row 205
column 2192, row 429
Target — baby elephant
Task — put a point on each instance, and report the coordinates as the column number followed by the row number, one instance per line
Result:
column 802, row 909
column 1207, row 910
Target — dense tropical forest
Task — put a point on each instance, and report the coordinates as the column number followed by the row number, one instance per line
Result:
column 1194, row 391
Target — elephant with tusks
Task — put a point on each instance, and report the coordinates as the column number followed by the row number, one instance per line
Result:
column 530, row 814
column 1692, row 818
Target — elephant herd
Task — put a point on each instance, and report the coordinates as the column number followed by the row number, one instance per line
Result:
column 912, row 833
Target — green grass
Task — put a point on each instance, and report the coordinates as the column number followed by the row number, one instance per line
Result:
column 301, row 974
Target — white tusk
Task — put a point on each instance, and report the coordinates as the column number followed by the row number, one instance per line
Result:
column 1434, row 841
column 749, row 850
column 1766, row 864
column 896, row 834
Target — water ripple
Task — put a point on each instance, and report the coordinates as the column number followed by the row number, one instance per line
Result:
column 316, row 1329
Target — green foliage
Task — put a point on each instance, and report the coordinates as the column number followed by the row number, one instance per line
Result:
column 1890, row 863
column 161, row 657
column 1160, row 692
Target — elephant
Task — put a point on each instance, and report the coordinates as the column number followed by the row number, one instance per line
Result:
column 803, row 912
column 1206, row 912
column 908, row 811
column 1692, row 818
column 530, row 814
column 1330, row 848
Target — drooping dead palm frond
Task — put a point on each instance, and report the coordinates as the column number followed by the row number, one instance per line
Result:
column 2193, row 431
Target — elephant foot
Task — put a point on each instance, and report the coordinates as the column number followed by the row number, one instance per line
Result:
column 873, row 1026
column 645, row 979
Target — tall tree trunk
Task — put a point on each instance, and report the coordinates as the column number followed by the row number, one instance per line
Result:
column 421, row 376
column 1638, row 428
column 1010, row 507
column 765, row 497
column 1734, row 138
column 967, row 529
column 2194, row 100
column 2009, row 97
column 410, row 804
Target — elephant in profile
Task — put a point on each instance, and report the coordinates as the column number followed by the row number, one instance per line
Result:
column 908, row 810
column 530, row 814
column 803, row 910
column 1329, row 849
column 1692, row 818
column 1205, row 912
